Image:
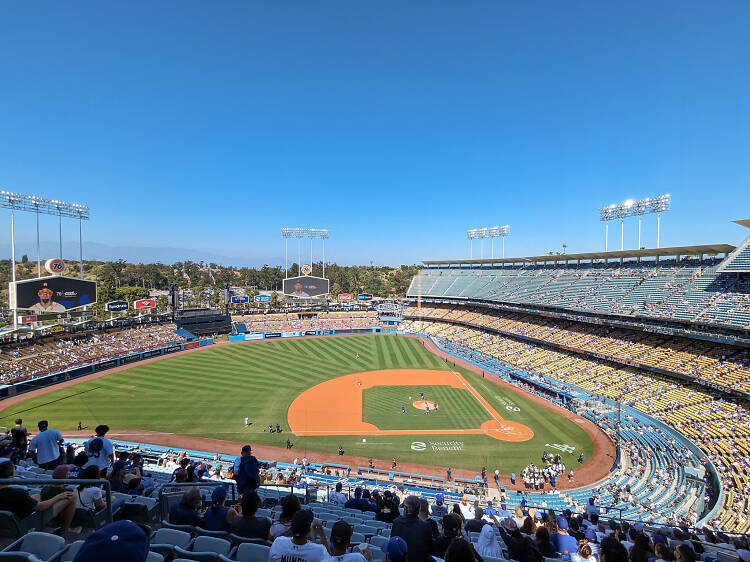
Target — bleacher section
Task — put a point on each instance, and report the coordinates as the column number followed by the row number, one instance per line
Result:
column 739, row 260
column 720, row 427
column 203, row 321
column 689, row 290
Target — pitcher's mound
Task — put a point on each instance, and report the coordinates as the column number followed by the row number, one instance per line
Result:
column 422, row 405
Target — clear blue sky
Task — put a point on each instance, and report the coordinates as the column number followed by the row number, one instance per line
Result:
column 398, row 125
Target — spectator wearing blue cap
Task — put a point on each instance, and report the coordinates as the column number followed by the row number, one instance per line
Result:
column 121, row 541
column 218, row 517
column 490, row 510
column 562, row 541
column 46, row 444
column 358, row 502
column 395, row 550
column 439, row 509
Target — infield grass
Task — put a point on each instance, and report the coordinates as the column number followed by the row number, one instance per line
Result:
column 208, row 393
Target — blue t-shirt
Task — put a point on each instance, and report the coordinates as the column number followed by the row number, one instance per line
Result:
column 47, row 445
column 563, row 543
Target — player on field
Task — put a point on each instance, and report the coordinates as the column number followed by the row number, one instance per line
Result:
column 421, row 395
column 403, row 409
column 247, row 421
column 434, row 406
column 427, row 410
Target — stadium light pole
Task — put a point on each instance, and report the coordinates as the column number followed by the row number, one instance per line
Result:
column 638, row 208
column 471, row 234
column 489, row 232
column 299, row 234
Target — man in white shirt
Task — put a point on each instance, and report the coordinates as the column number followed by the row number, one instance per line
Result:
column 100, row 450
column 46, row 445
column 297, row 548
column 337, row 497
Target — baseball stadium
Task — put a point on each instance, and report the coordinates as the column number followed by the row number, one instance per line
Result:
column 189, row 371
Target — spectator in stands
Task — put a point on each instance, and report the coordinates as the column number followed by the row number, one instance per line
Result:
column 297, row 548
column 528, row 527
column 663, row 553
column 100, row 450
column 460, row 551
column 561, row 540
column 89, row 496
column 475, row 525
column 439, row 509
column 451, row 529
column 185, row 512
column 457, row 511
column 487, row 544
column 247, row 473
column 51, row 490
column 337, row 497
column 117, row 542
column 22, row 504
column 388, row 510
column 79, row 462
column 684, row 553
column 612, row 550
column 358, row 502
column 341, row 536
column 395, row 550
column 19, row 437
column 290, row 505
column 122, row 482
column 46, row 444
column 247, row 524
column 584, row 553
column 424, row 515
column 218, row 517
column 641, row 550
column 416, row 533
column 543, row 542
column 520, row 548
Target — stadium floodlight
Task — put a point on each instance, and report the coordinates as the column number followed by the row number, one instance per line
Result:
column 632, row 208
column 32, row 203
column 300, row 233
column 488, row 232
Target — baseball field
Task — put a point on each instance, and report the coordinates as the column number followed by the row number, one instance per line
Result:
column 376, row 396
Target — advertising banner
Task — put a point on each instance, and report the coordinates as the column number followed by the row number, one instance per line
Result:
column 152, row 353
column 364, row 297
column 52, row 294
column 239, row 299
column 130, row 359
column 291, row 334
column 28, row 319
column 262, row 298
column 55, row 329
column 345, row 297
column 105, row 365
column 305, row 287
column 144, row 304
column 116, row 306
column 173, row 348
column 191, row 345
column 272, row 335
column 257, row 336
column 311, row 332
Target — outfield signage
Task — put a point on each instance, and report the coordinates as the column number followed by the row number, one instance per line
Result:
column 364, row 297
column 173, row 348
column 144, row 304
column 106, row 365
column 345, row 297
column 28, row 319
column 116, row 306
column 262, row 298
column 240, row 299
column 55, row 266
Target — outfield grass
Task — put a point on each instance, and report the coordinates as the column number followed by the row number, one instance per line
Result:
column 208, row 393
column 457, row 408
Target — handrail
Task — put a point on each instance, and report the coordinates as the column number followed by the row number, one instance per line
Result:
column 75, row 481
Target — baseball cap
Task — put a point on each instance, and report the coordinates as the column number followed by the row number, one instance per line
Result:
column 591, row 535
column 539, row 515
column 439, row 499
column 246, row 449
column 61, row 471
column 395, row 548
column 562, row 523
column 509, row 524
column 341, row 532
column 301, row 522
column 121, row 541
column 489, row 503
column 219, row 494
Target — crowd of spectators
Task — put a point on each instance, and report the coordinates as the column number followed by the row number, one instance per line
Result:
column 718, row 425
column 32, row 358
column 324, row 320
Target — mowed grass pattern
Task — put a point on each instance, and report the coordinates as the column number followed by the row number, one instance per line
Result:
column 209, row 392
column 457, row 408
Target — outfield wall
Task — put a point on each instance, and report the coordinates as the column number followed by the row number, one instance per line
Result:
column 302, row 333
column 28, row 385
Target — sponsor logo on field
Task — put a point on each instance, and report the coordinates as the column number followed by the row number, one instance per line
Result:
column 418, row 446
column 447, row 445
column 559, row 447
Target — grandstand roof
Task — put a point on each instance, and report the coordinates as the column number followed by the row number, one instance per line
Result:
column 644, row 253
column 743, row 222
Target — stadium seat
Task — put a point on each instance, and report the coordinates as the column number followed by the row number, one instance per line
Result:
column 41, row 545
column 154, row 557
column 18, row 557
column 204, row 549
column 68, row 553
column 164, row 540
column 248, row 552
column 378, row 540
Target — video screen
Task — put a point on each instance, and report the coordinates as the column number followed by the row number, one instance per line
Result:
column 53, row 294
column 305, row 287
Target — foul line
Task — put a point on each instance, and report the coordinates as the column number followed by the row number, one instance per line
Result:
column 486, row 405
